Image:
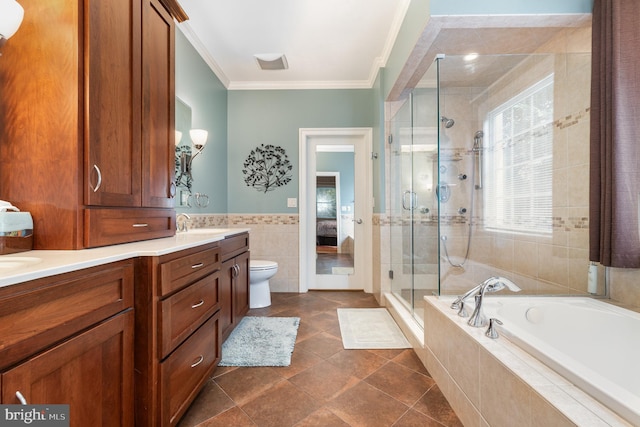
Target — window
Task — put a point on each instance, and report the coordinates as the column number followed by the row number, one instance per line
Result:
column 518, row 162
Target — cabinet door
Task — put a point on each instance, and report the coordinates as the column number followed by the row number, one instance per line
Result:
column 158, row 128
column 241, row 285
column 112, row 115
column 92, row 373
column 226, row 297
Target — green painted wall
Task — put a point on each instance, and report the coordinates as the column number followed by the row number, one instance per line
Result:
column 274, row 117
column 201, row 89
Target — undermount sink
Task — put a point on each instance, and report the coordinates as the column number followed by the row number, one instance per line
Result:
column 10, row 263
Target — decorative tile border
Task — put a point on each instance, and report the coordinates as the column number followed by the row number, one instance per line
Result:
column 384, row 220
column 379, row 220
column 207, row 220
column 572, row 119
column 263, row 219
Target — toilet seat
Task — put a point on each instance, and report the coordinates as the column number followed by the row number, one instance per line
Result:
column 259, row 265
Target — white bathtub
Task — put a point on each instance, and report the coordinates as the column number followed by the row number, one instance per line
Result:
column 593, row 344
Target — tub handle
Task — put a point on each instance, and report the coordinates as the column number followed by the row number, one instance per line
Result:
column 463, row 310
column 492, row 332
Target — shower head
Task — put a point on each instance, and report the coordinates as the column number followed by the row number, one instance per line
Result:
column 477, row 141
column 447, row 122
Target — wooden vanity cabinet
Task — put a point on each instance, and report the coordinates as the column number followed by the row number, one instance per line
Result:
column 178, row 341
column 88, row 121
column 234, row 284
column 68, row 339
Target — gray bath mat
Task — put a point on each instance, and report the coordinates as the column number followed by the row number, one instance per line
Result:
column 370, row 328
column 261, row 341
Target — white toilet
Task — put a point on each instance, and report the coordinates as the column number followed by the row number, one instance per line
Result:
column 260, row 271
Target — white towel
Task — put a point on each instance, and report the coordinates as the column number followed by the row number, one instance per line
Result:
column 7, row 206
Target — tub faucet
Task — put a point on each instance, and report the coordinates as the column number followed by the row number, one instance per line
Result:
column 181, row 222
column 492, row 284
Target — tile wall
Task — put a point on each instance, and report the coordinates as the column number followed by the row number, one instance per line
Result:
column 271, row 237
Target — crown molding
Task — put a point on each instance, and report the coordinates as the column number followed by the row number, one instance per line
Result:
column 188, row 32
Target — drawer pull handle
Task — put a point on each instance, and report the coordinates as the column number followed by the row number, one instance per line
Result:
column 99, row 183
column 197, row 362
column 236, row 270
column 198, row 265
column 198, row 304
column 21, row 398
column 141, row 225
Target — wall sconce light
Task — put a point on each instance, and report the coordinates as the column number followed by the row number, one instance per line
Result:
column 11, row 14
column 199, row 141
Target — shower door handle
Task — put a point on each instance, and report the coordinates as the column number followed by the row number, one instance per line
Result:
column 413, row 200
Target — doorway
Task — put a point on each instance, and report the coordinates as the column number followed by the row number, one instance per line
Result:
column 331, row 225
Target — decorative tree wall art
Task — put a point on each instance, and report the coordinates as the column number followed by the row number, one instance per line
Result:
column 266, row 168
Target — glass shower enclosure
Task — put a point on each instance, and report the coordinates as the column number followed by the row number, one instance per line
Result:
column 488, row 164
column 414, row 196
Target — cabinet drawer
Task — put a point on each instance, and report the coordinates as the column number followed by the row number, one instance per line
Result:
column 187, row 369
column 235, row 245
column 113, row 226
column 33, row 320
column 180, row 272
column 183, row 312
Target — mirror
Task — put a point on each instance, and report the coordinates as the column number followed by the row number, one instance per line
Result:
column 183, row 148
column 334, row 210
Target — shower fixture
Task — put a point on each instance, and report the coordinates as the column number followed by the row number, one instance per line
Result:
column 447, row 122
column 477, row 141
column 476, row 182
column 477, row 151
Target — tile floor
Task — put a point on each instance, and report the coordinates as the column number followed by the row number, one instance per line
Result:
column 325, row 385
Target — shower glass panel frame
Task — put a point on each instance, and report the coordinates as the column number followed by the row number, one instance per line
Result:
column 414, row 205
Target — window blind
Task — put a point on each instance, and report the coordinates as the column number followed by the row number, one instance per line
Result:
column 518, row 160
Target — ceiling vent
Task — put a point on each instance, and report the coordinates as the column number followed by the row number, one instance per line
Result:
column 272, row 61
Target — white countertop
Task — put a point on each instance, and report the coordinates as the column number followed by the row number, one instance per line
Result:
column 31, row 265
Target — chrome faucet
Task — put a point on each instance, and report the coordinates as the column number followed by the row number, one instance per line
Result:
column 181, row 222
column 492, row 284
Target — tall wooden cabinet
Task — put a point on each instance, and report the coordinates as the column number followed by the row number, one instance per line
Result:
column 87, row 121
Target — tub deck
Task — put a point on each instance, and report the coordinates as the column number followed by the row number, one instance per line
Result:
column 481, row 377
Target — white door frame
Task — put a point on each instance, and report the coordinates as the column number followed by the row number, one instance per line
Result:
column 362, row 138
